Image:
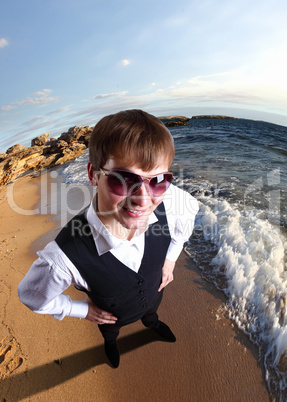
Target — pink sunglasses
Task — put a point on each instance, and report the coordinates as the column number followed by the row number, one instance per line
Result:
column 123, row 182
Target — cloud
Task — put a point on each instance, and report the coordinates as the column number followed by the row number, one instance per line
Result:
column 58, row 111
column 197, row 91
column 38, row 98
column 35, row 121
column 7, row 108
column 3, row 42
column 125, row 62
column 36, row 101
column 108, row 96
column 6, row 122
column 205, row 78
column 44, row 92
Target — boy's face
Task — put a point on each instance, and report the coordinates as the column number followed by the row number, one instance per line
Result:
column 122, row 213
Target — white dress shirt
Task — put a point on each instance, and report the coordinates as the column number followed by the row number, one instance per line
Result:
column 52, row 273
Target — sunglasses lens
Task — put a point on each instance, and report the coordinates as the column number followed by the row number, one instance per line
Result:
column 159, row 184
column 123, row 183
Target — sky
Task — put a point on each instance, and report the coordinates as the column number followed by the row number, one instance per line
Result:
column 71, row 62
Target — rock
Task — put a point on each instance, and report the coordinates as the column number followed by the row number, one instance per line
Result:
column 49, row 161
column 55, row 146
column 76, row 134
column 15, row 148
column 174, row 121
column 71, row 153
column 68, row 156
column 72, row 135
column 41, row 140
column 32, row 162
column 213, row 116
column 17, row 163
column 177, row 123
column 85, row 135
column 77, row 147
column 43, row 154
column 3, row 155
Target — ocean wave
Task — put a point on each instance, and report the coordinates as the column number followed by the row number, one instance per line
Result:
column 278, row 149
column 76, row 171
column 244, row 256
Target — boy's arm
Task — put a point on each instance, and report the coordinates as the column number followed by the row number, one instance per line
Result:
column 181, row 209
column 42, row 289
column 167, row 273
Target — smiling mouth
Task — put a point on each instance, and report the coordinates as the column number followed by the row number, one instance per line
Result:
column 134, row 212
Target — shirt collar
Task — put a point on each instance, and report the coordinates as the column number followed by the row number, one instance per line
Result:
column 104, row 240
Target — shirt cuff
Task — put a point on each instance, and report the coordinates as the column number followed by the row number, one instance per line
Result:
column 79, row 309
column 173, row 251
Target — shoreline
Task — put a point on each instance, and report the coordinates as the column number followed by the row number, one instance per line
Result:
column 211, row 359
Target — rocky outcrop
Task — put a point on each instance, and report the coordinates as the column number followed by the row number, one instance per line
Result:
column 41, row 140
column 213, row 116
column 43, row 153
column 15, row 148
column 2, row 156
column 174, row 121
column 77, row 134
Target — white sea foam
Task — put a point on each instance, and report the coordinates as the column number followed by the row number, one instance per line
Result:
column 76, row 171
column 250, row 254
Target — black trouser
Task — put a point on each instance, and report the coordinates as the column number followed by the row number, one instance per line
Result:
column 110, row 332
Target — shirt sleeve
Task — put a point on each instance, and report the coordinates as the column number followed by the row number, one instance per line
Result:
column 181, row 209
column 42, row 288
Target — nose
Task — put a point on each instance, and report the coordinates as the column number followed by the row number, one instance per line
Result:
column 142, row 196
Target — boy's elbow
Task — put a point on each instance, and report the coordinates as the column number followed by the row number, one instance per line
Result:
column 25, row 296
column 21, row 292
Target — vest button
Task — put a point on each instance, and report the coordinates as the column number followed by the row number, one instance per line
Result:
column 143, row 298
column 140, row 282
column 143, row 305
column 141, row 291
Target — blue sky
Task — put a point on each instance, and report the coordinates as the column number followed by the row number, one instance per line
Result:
column 70, row 62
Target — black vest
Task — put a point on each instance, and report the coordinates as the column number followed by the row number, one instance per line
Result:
column 113, row 286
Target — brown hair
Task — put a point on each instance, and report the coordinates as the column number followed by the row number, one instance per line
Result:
column 134, row 136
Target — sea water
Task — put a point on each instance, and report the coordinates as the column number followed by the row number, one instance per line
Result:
column 237, row 169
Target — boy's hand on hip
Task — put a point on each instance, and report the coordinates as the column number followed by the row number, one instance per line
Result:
column 167, row 274
column 99, row 316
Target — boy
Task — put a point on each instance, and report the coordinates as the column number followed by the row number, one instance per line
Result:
column 122, row 249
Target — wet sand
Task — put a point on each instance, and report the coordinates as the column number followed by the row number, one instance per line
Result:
column 44, row 359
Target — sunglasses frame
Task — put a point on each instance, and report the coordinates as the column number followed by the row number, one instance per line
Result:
column 141, row 181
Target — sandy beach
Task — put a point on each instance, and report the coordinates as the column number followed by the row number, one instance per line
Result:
column 44, row 359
